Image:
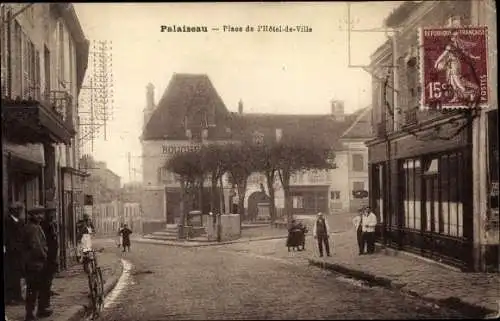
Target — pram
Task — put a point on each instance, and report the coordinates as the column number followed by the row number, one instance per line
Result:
column 296, row 237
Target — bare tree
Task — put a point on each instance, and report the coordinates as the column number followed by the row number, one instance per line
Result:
column 294, row 156
column 267, row 162
column 241, row 163
column 188, row 167
column 213, row 160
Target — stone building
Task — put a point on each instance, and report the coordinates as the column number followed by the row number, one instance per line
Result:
column 104, row 187
column 131, row 211
column 422, row 162
column 44, row 56
column 191, row 113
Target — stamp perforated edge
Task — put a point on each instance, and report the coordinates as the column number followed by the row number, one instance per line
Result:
column 421, row 74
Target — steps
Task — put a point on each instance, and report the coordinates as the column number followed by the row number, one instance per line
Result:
column 168, row 234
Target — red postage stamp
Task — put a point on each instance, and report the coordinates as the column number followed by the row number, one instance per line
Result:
column 453, row 67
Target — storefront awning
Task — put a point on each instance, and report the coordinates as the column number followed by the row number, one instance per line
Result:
column 30, row 121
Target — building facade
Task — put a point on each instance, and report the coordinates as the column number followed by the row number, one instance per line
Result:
column 131, row 206
column 191, row 114
column 44, row 56
column 421, row 162
column 104, row 188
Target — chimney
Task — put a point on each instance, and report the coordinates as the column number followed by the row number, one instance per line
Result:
column 240, row 107
column 150, row 103
column 337, row 109
column 150, row 96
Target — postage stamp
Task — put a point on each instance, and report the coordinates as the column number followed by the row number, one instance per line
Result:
column 453, row 67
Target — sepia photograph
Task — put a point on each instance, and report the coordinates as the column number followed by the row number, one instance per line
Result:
column 327, row 160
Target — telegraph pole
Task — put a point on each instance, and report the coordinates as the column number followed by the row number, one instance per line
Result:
column 96, row 98
column 129, row 168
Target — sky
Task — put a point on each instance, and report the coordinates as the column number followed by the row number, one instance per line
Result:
column 273, row 72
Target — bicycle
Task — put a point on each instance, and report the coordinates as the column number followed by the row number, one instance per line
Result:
column 95, row 280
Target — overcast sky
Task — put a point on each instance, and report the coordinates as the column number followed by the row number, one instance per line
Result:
column 292, row 73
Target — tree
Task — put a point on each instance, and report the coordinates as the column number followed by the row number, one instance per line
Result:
column 188, row 167
column 213, row 161
column 241, row 163
column 294, row 156
column 267, row 161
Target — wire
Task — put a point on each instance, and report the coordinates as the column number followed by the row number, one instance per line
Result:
column 471, row 112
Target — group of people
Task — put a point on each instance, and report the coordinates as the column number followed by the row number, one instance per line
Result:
column 364, row 223
column 30, row 253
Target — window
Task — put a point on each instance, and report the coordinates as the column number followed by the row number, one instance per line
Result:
column 25, row 65
column 335, row 195
column 279, row 134
column 358, row 162
column 358, row 186
column 298, row 201
column 61, row 54
column 450, row 214
column 411, row 194
column 3, row 57
column 17, row 58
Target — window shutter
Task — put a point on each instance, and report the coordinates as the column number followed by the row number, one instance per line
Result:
column 37, row 75
column 25, row 67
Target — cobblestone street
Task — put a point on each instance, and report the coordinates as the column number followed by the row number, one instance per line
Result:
column 227, row 282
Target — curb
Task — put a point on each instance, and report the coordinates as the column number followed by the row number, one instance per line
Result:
column 78, row 312
column 453, row 303
column 186, row 243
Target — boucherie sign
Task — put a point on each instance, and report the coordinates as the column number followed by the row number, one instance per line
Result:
column 175, row 149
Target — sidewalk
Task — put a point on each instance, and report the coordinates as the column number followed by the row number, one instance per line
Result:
column 72, row 287
column 474, row 293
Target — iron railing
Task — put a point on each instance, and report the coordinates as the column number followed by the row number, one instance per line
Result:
column 410, row 116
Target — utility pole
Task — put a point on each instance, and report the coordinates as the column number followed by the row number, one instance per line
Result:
column 96, row 98
column 129, row 168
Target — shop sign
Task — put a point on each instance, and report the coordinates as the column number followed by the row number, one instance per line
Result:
column 175, row 149
column 453, row 67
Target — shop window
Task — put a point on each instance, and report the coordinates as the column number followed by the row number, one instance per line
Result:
column 450, row 213
column 411, row 193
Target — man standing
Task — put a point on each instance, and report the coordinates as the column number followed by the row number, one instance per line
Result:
column 320, row 232
column 35, row 247
column 369, row 224
column 49, row 227
column 358, row 227
column 14, row 265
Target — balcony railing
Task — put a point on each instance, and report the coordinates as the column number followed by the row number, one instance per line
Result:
column 410, row 116
column 60, row 102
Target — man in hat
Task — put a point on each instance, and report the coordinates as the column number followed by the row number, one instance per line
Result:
column 14, row 265
column 320, row 232
column 49, row 227
column 36, row 253
column 369, row 225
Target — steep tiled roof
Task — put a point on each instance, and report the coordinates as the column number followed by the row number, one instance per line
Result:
column 322, row 129
column 360, row 128
column 190, row 97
